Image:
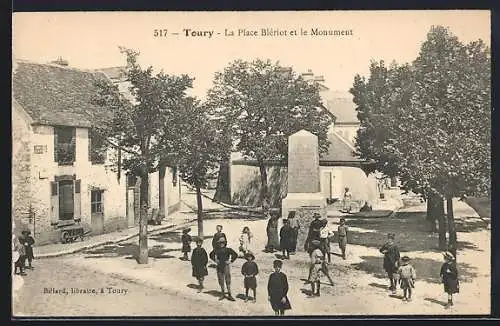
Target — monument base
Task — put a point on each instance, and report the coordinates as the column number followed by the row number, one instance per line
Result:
column 305, row 205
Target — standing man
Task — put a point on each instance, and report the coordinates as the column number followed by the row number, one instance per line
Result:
column 314, row 231
column 218, row 235
column 342, row 236
column 294, row 224
column 391, row 260
column 224, row 257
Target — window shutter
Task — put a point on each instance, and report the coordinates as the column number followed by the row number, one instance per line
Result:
column 73, row 142
column 54, row 203
column 78, row 200
column 90, row 144
column 55, row 144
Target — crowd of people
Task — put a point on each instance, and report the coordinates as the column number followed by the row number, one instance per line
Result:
column 318, row 245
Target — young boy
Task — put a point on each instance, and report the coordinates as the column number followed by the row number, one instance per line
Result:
column 342, row 236
column 449, row 277
column 391, row 260
column 28, row 246
column 286, row 239
column 324, row 235
column 186, row 243
column 199, row 260
column 249, row 271
column 407, row 276
column 277, row 290
column 218, row 235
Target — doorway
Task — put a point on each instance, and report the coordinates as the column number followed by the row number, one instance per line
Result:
column 97, row 211
column 66, row 200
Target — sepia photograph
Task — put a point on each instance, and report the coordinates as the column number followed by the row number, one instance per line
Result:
column 251, row 163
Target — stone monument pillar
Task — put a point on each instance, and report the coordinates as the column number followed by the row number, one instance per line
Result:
column 304, row 192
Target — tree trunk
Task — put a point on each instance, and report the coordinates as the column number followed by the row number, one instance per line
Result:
column 143, row 221
column 199, row 202
column 442, row 223
column 452, row 241
column 432, row 212
column 223, row 189
column 264, row 193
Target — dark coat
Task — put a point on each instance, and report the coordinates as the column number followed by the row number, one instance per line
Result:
column 277, row 288
column 272, row 233
column 221, row 255
column 449, row 275
column 199, row 260
column 249, row 270
column 287, row 238
column 186, row 242
column 391, row 257
column 216, row 238
column 28, row 242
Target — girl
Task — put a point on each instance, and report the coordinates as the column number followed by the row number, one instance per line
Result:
column 245, row 239
column 277, row 289
column 19, row 246
column 199, row 260
column 315, row 268
column 407, row 276
column 186, row 243
column 449, row 277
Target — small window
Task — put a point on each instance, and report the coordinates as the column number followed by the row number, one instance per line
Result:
column 65, row 145
column 97, row 201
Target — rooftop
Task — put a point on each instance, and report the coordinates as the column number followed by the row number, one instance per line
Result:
column 55, row 94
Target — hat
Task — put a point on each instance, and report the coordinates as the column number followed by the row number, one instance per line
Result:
column 186, row 230
column 391, row 235
column 317, row 215
column 448, row 255
column 405, row 259
column 198, row 240
column 249, row 255
column 277, row 263
column 285, row 220
column 25, row 232
column 342, row 219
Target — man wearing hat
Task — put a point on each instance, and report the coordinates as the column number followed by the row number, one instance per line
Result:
column 314, row 231
column 223, row 257
column 391, row 260
column 249, row 271
column 28, row 242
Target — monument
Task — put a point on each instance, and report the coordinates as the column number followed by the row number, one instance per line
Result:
column 304, row 191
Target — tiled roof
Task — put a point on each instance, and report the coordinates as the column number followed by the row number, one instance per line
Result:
column 344, row 109
column 340, row 150
column 56, row 95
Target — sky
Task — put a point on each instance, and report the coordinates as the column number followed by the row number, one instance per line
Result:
column 91, row 40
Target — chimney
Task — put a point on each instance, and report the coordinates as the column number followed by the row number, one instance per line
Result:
column 61, row 62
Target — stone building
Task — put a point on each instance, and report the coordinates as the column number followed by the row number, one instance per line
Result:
column 61, row 172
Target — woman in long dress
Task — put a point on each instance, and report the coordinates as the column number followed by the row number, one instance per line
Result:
column 273, row 242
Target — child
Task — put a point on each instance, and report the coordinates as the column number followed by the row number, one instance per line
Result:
column 199, row 260
column 186, row 243
column 19, row 246
column 277, row 289
column 449, row 277
column 315, row 269
column 245, row 239
column 342, row 236
column 28, row 246
column 347, row 206
column 407, row 276
column 249, row 271
column 218, row 235
column 286, row 239
column 324, row 239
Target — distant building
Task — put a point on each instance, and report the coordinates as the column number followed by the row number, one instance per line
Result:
column 339, row 167
column 62, row 172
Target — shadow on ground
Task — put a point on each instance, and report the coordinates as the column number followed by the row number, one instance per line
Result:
column 413, row 232
column 213, row 214
column 427, row 269
column 128, row 251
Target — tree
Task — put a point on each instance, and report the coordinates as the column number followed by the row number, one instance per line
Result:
column 200, row 151
column 137, row 121
column 429, row 122
column 259, row 104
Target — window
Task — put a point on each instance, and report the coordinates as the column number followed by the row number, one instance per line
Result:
column 97, row 148
column 64, row 145
column 97, row 201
